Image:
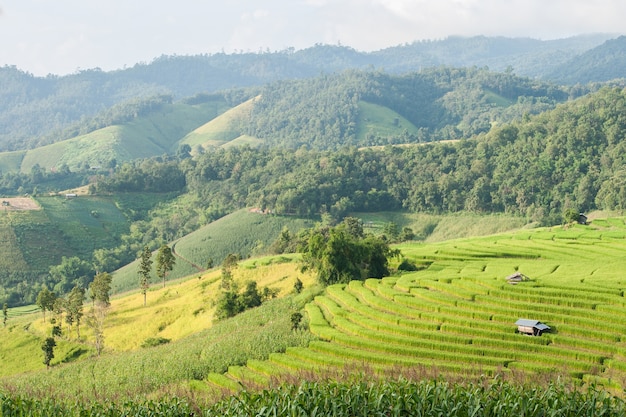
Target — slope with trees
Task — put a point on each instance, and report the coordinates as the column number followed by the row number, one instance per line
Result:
column 41, row 110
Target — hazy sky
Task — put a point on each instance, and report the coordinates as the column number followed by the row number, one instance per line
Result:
column 62, row 36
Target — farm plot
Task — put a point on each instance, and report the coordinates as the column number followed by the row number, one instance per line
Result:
column 458, row 315
column 86, row 223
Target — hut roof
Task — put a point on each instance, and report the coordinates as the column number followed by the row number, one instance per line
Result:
column 532, row 323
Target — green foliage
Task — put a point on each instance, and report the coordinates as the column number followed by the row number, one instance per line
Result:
column 232, row 302
column 70, row 272
column 395, row 398
column 45, row 300
column 48, row 346
column 165, row 262
column 154, row 341
column 74, row 308
column 342, row 253
column 100, row 287
column 144, row 269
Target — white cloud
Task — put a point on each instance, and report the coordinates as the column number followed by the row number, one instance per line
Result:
column 59, row 36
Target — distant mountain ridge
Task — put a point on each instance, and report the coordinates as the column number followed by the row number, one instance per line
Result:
column 36, row 110
column 330, row 111
column 604, row 63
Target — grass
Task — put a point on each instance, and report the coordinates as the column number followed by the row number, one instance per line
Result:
column 437, row 228
column 243, row 232
column 183, row 313
column 11, row 161
column 87, row 222
column 221, row 129
column 379, row 121
column 459, row 312
column 455, row 318
column 154, row 134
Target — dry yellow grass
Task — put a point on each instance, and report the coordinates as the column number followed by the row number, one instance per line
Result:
column 182, row 308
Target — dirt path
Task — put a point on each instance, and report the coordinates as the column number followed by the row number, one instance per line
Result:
column 198, row 267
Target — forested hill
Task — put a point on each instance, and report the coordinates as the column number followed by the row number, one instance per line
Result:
column 373, row 108
column 604, row 63
column 36, row 110
column 567, row 158
column 351, row 108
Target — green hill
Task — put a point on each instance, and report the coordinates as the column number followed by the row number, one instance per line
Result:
column 35, row 239
column 153, row 134
column 244, row 232
column 222, row 129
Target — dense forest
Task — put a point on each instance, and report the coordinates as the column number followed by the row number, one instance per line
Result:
column 39, row 110
column 443, row 103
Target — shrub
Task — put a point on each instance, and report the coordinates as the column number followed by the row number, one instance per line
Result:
column 154, row 341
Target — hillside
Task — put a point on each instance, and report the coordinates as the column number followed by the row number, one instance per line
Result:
column 324, row 112
column 35, row 239
column 455, row 316
column 603, row 63
column 152, row 133
column 243, row 232
column 35, row 111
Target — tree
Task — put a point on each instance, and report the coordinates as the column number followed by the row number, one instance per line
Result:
column 95, row 320
column 339, row 256
column 145, row 267
column 296, row 318
column 48, row 350
column 250, row 297
column 100, row 287
column 298, row 286
column 5, row 314
column 75, row 307
column 45, row 300
column 70, row 272
column 571, row 216
column 165, row 262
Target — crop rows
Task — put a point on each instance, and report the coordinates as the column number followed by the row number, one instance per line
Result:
column 458, row 314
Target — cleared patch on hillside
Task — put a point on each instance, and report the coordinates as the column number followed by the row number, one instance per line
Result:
column 380, row 121
column 19, row 203
column 221, row 129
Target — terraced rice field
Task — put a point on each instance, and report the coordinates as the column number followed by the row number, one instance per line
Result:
column 456, row 315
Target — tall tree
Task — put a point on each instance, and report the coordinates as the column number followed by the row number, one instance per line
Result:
column 75, row 306
column 145, row 267
column 100, row 287
column 95, row 320
column 5, row 314
column 165, row 262
column 339, row 256
column 45, row 300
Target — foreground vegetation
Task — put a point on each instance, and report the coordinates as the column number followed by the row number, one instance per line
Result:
column 358, row 398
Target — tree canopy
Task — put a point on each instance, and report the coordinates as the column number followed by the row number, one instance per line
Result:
column 342, row 253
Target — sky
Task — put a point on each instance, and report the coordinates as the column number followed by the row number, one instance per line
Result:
column 65, row 36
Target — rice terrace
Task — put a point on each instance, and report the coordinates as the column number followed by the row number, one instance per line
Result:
column 457, row 313
column 447, row 325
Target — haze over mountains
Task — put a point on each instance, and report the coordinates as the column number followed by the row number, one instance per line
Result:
column 36, row 110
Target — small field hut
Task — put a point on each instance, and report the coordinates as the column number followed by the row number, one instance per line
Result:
column 531, row 327
column 516, row 278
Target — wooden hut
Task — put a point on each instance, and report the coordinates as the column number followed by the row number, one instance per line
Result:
column 531, row 327
column 516, row 278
